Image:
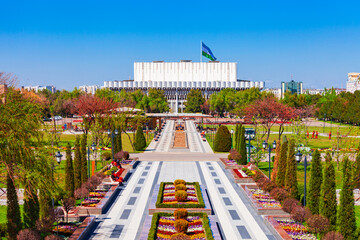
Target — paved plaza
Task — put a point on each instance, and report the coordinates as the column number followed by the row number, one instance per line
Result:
column 234, row 214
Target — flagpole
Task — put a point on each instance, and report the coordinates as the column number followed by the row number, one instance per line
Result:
column 200, row 51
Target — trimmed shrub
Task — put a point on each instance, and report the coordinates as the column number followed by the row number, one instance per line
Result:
column 28, row 234
column 318, row 224
column 181, row 225
column 333, row 236
column 106, row 156
column 81, row 193
column 69, row 172
column 181, row 195
column 289, row 204
column 300, row 214
column 140, row 142
column 269, row 186
column 316, row 179
column 275, row 160
column 291, row 183
column 180, row 214
column 180, row 236
column 122, row 155
column 77, row 163
column 180, row 187
column 279, row 194
column 179, row 181
column 258, row 175
column 222, row 140
column 262, row 182
column 280, row 176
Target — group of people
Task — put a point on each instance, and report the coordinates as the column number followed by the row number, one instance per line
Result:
column 315, row 135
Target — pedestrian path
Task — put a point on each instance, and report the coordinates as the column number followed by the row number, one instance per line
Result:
column 125, row 216
column 165, row 140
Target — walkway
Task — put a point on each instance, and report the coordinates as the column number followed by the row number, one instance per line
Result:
column 234, row 213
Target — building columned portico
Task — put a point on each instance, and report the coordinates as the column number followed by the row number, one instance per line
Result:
column 176, row 79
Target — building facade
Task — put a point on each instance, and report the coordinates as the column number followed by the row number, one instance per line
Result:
column 353, row 82
column 39, row 88
column 90, row 89
column 177, row 78
column 292, row 86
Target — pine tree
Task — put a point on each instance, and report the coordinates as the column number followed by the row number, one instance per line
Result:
column 276, row 161
column 242, row 145
column 328, row 204
column 13, row 210
column 140, row 141
column 236, row 145
column 77, row 164
column 315, row 183
column 356, row 175
column 69, row 171
column 346, row 218
column 84, row 166
column 222, row 139
column 31, row 207
column 280, row 177
column 290, row 176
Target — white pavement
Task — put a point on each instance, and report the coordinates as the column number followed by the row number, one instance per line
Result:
column 234, row 214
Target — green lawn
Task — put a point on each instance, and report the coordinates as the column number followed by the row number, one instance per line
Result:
column 3, row 210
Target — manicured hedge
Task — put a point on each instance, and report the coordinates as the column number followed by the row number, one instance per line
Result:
column 156, row 217
column 201, row 203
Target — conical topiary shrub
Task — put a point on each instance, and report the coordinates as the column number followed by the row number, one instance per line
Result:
column 222, row 140
column 140, row 142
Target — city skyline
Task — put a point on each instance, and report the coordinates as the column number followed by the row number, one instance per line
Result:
column 86, row 44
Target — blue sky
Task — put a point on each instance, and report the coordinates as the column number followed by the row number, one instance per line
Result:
column 72, row 43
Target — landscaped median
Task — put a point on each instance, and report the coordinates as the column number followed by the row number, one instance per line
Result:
column 169, row 196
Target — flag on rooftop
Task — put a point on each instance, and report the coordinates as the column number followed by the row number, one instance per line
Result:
column 206, row 52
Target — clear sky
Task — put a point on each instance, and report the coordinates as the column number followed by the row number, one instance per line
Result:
column 72, row 43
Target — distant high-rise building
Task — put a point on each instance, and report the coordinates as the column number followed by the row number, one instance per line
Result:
column 40, row 88
column 353, row 82
column 91, row 89
column 292, row 87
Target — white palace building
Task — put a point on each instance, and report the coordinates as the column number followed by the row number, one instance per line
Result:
column 177, row 78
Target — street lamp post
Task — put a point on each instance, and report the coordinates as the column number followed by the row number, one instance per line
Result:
column 274, row 146
column 298, row 157
column 112, row 134
column 249, row 135
column 58, row 157
column 232, row 131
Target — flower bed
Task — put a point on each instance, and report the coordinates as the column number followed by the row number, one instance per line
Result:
column 93, row 198
column 264, row 199
column 240, row 173
column 295, row 230
column 66, row 229
column 229, row 164
column 166, row 196
column 162, row 226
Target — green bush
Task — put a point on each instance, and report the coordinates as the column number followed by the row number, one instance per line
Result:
column 140, row 142
column 181, row 225
column 3, row 230
column 180, row 236
column 180, row 187
column 181, row 195
column 222, row 140
column 106, row 156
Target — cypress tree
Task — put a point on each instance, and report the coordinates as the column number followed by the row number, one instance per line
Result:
column 242, row 145
column 69, row 171
column 315, row 183
column 356, row 176
column 45, row 204
column 222, row 139
column 280, row 177
column 140, row 141
column 276, row 161
column 84, row 166
column 117, row 143
column 31, row 207
column 13, row 210
column 77, row 164
column 290, row 176
column 346, row 218
column 328, row 204
column 237, row 137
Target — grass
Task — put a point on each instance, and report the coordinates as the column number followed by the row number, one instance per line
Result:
column 3, row 210
column 357, row 215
